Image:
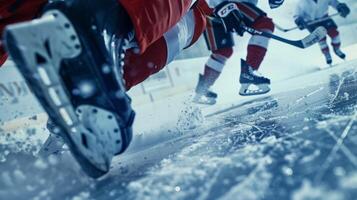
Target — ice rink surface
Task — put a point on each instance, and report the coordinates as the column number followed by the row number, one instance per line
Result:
column 294, row 144
column 297, row 142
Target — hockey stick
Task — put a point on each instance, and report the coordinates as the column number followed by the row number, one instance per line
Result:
column 309, row 40
column 309, row 23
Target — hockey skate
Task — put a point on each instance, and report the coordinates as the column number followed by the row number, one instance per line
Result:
column 203, row 94
column 251, row 82
column 339, row 53
column 328, row 58
column 76, row 76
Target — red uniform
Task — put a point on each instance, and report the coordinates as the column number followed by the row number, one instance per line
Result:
column 12, row 11
column 152, row 18
column 158, row 25
column 138, row 67
column 221, row 44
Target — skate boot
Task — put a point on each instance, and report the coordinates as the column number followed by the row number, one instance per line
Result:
column 339, row 53
column 249, row 78
column 70, row 58
column 203, row 94
column 328, row 58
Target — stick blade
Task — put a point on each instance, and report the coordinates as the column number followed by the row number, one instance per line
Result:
column 314, row 37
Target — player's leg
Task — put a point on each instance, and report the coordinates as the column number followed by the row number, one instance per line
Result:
column 325, row 50
column 76, row 78
column 258, row 45
column 220, row 43
column 212, row 71
column 256, row 51
column 334, row 34
column 139, row 67
column 152, row 18
column 323, row 42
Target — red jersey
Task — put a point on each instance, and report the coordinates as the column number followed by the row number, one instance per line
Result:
column 13, row 11
column 152, row 18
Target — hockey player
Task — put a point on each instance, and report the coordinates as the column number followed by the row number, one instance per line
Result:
column 13, row 11
column 221, row 43
column 311, row 10
column 76, row 69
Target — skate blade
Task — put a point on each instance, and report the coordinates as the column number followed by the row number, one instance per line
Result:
column 199, row 99
column 245, row 89
column 38, row 55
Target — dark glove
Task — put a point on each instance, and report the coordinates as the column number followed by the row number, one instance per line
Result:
column 300, row 22
column 343, row 9
column 275, row 3
column 232, row 18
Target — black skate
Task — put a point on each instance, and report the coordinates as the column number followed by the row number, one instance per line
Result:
column 248, row 78
column 339, row 53
column 203, row 94
column 328, row 58
column 76, row 77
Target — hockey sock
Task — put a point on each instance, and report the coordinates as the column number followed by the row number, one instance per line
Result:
column 335, row 38
column 210, row 75
column 255, row 56
column 138, row 67
column 215, row 64
column 324, row 47
column 258, row 45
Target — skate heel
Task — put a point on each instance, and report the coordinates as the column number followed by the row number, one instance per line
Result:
column 66, row 81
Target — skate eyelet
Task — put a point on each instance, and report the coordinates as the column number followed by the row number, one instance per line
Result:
column 73, row 37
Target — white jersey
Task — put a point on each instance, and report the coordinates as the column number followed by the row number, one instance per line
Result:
column 214, row 3
column 310, row 10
